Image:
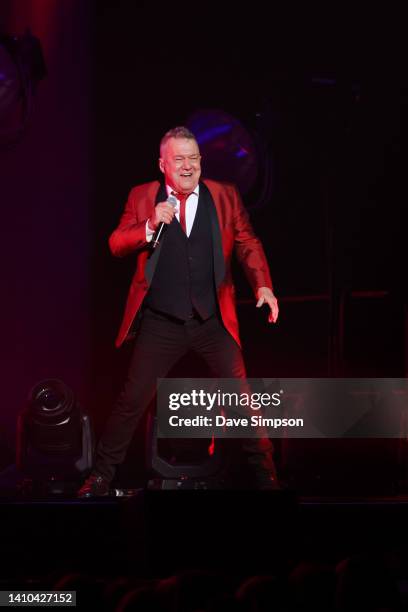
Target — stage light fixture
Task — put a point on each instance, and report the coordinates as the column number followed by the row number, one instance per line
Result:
column 54, row 437
column 228, row 149
column 185, row 463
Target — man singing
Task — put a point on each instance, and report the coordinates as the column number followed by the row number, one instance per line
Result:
column 182, row 296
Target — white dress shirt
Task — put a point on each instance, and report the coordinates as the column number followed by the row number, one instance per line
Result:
column 191, row 209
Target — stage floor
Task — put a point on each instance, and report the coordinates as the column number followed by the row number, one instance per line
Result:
column 154, row 533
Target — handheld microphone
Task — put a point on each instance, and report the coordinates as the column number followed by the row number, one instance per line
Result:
column 160, row 230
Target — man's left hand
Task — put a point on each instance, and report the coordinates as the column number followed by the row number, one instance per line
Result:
column 265, row 296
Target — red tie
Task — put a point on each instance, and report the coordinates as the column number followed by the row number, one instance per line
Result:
column 182, row 197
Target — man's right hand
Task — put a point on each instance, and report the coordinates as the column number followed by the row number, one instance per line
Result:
column 163, row 213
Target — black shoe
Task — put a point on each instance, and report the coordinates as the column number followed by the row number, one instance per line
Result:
column 94, row 486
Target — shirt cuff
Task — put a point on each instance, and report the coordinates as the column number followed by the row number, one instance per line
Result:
column 149, row 232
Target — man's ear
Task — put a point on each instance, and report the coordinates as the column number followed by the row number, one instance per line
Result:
column 161, row 164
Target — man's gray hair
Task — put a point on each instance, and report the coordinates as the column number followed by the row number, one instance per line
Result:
column 177, row 132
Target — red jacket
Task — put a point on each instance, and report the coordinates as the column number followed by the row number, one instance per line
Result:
column 230, row 227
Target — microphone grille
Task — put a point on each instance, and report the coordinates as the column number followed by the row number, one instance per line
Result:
column 172, row 200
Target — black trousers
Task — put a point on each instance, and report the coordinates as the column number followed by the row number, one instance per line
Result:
column 160, row 342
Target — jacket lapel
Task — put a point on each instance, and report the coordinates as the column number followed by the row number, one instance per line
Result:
column 218, row 256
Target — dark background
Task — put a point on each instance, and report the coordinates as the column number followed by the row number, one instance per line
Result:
column 327, row 92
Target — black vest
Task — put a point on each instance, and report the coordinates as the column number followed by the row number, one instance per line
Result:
column 183, row 280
